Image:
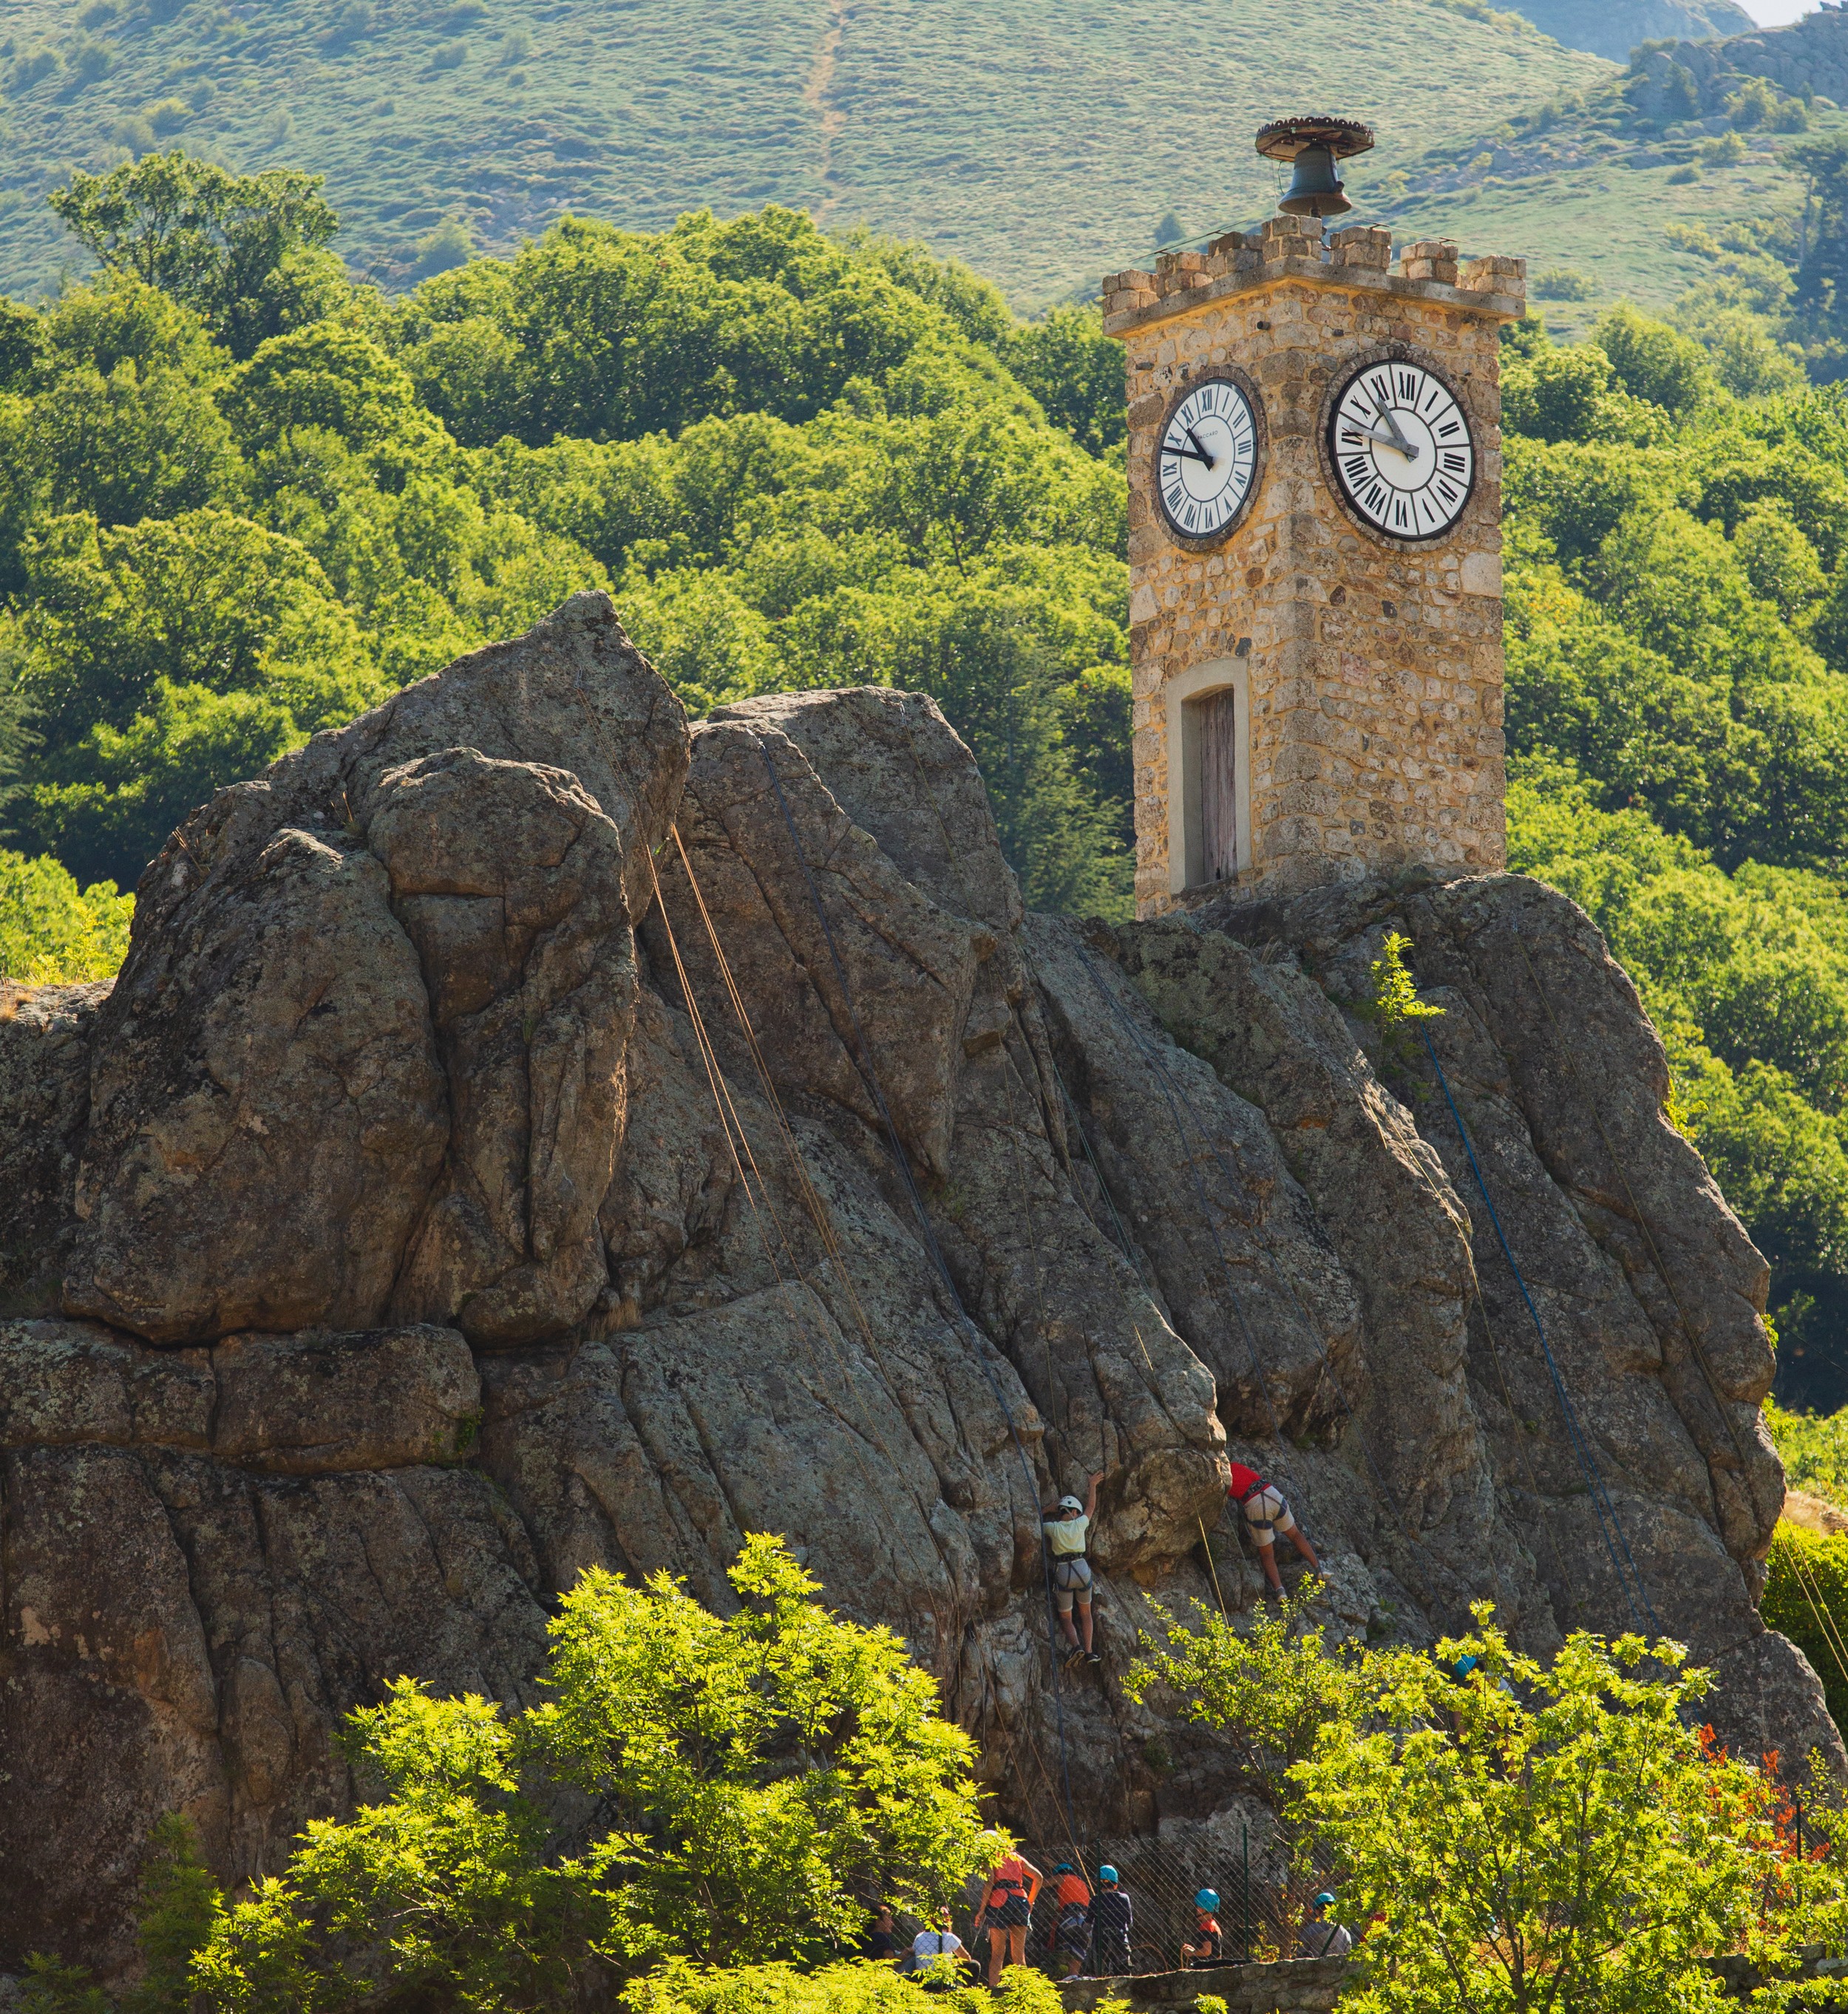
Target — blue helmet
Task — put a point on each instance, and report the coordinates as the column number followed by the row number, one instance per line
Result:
column 1462, row 1667
column 1107, row 1873
column 1207, row 1898
column 1063, row 1867
column 1325, row 1901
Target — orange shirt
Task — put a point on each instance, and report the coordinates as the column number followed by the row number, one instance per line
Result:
column 1071, row 1889
column 1009, row 1878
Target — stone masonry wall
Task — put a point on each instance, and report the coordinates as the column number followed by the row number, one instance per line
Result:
column 1373, row 666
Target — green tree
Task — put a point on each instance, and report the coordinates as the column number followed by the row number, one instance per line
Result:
column 1653, row 361
column 52, row 931
column 1076, row 373
column 247, row 252
column 1274, row 1688
column 750, row 1784
column 1542, row 1837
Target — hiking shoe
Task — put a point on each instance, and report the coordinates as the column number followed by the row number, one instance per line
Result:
column 1093, row 1657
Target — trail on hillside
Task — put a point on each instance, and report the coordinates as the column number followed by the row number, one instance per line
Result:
column 815, row 94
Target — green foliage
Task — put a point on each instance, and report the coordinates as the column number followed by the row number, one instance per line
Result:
column 1813, row 1449
column 1521, row 1835
column 242, row 251
column 1546, row 1836
column 51, row 932
column 570, row 106
column 751, row 1783
column 680, row 1988
column 1395, row 1000
column 795, row 462
column 1806, row 1588
column 1676, row 716
column 180, row 1909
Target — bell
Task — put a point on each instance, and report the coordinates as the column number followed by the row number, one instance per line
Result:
column 1312, row 145
column 1315, row 189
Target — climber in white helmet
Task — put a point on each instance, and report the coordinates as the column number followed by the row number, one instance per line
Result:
column 1067, row 1526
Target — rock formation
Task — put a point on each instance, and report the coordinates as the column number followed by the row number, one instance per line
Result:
column 528, row 1132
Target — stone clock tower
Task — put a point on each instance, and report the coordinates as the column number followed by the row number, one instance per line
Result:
column 1314, row 549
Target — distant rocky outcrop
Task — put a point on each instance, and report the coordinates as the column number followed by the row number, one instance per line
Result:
column 1614, row 32
column 1693, row 77
column 427, row 1212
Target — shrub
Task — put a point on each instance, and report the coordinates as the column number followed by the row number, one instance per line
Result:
column 51, row 934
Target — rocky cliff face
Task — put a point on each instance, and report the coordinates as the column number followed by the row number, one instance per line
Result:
column 529, row 1133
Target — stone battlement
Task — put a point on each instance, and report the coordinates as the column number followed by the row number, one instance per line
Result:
column 1427, row 269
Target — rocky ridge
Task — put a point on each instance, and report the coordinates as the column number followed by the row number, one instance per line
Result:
column 484, row 1166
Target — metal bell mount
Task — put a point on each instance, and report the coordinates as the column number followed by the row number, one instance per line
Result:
column 1313, row 146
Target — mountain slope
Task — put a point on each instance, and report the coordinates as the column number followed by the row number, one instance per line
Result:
column 1039, row 140
column 1614, row 31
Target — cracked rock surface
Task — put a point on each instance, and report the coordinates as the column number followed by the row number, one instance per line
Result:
column 429, row 1211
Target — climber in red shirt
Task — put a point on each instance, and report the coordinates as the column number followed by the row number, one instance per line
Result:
column 1266, row 1515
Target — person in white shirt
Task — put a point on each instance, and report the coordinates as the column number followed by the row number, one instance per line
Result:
column 928, row 1946
column 1068, row 1527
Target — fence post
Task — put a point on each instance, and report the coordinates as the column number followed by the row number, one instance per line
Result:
column 1245, row 1881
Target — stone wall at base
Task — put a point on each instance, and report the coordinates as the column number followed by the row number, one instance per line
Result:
column 1304, row 1985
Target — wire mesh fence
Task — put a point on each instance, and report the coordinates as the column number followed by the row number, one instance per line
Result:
column 1260, row 1918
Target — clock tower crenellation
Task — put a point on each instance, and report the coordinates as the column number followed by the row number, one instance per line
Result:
column 1314, row 549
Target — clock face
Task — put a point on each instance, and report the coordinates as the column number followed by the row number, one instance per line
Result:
column 1206, row 458
column 1402, row 450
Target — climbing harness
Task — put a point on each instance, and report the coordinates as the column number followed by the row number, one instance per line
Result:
column 863, row 1062
column 1610, row 1527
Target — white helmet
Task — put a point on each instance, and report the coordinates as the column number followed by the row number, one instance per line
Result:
column 1069, row 1503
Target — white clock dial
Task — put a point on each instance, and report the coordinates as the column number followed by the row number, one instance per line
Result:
column 1402, row 450
column 1207, row 458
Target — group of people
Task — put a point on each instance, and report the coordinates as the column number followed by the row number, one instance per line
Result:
column 1091, row 1929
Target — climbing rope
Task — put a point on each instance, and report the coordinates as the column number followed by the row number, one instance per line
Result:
column 738, row 1144
column 1610, row 1527
column 1812, row 1592
column 863, row 1062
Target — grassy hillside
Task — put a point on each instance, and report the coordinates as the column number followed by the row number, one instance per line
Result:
column 1042, row 141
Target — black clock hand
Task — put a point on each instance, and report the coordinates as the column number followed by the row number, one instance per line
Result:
column 1188, row 453
column 1192, row 436
column 1392, row 427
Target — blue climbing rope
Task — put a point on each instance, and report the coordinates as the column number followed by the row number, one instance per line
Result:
column 1610, row 1525
column 863, row 1064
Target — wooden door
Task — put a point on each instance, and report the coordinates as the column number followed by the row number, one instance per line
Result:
column 1216, row 726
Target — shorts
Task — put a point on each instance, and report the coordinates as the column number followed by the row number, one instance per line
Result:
column 1267, row 1513
column 1013, row 1913
column 1074, row 1935
column 1072, row 1578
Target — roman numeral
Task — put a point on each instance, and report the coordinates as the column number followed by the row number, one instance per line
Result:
column 1449, row 428
column 1176, row 498
column 1356, row 466
column 1454, row 461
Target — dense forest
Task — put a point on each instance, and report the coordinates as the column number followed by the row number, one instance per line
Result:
column 243, row 498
